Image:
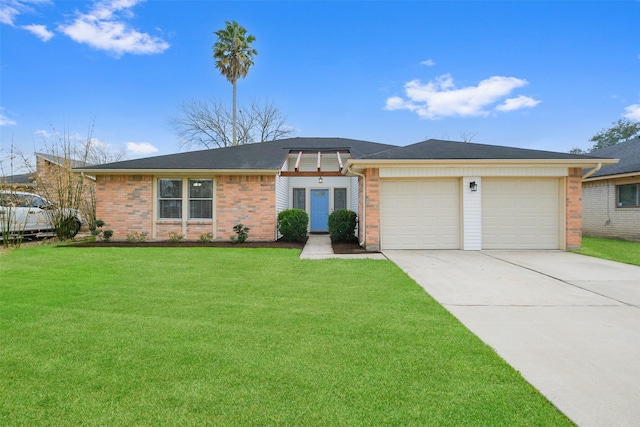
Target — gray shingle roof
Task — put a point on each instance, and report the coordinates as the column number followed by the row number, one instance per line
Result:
column 262, row 156
column 25, row 178
column 434, row 149
column 271, row 155
column 61, row 161
column 629, row 154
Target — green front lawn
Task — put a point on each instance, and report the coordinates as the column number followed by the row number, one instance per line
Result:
column 616, row 250
column 239, row 337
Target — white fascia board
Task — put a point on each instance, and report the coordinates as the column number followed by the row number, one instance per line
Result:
column 361, row 164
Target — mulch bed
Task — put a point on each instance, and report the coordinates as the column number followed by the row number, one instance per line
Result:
column 338, row 248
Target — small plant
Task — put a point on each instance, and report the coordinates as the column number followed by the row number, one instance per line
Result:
column 136, row 237
column 205, row 238
column 342, row 225
column 107, row 235
column 242, row 233
column 292, row 224
column 175, row 237
column 97, row 231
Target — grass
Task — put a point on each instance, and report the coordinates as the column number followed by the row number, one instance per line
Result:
column 616, row 250
column 240, row 337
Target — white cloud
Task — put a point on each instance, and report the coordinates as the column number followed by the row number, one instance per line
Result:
column 441, row 98
column 633, row 112
column 105, row 28
column 141, row 148
column 518, row 103
column 428, row 62
column 8, row 13
column 39, row 31
column 5, row 121
column 11, row 9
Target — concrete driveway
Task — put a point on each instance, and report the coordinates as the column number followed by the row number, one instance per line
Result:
column 569, row 323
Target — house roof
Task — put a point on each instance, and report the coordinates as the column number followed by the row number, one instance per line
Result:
column 23, row 179
column 62, row 161
column 434, row 149
column 629, row 154
column 261, row 156
column 270, row 156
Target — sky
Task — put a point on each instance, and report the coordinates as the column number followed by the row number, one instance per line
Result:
column 544, row 75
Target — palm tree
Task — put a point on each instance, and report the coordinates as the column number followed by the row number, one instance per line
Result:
column 233, row 55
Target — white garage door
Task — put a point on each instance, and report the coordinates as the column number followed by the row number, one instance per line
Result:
column 420, row 214
column 520, row 213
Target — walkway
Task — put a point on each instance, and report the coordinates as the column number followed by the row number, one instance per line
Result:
column 318, row 246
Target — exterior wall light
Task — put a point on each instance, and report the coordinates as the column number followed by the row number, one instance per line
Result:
column 473, row 186
column 320, row 180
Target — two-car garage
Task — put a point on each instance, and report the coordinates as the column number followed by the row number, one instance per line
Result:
column 505, row 213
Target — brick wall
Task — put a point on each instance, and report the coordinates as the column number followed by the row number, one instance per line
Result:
column 574, row 208
column 53, row 180
column 125, row 203
column 249, row 200
column 602, row 218
column 372, row 209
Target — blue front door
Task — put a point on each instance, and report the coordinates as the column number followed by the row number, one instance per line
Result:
column 319, row 210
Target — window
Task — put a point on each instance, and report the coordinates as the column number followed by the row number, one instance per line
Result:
column 169, row 198
column 299, row 201
column 339, row 198
column 200, row 198
column 628, row 195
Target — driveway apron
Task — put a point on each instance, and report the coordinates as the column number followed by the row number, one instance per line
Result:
column 569, row 323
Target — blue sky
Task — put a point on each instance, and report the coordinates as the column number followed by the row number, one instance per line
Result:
column 542, row 75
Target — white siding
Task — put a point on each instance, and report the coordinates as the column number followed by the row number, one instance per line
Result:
column 472, row 214
column 353, row 196
column 446, row 171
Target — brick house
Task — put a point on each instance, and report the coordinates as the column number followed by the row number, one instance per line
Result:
column 430, row 195
column 611, row 194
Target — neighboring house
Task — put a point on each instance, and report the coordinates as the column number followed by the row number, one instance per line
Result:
column 55, row 175
column 611, row 194
column 430, row 195
column 20, row 182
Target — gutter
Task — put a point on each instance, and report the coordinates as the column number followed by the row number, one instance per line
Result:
column 363, row 222
column 592, row 171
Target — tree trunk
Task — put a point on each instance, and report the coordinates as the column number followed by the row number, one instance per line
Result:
column 233, row 138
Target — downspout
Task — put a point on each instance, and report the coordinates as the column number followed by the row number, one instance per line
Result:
column 364, row 205
column 592, row 171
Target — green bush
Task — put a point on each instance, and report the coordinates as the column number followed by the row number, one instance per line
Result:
column 292, row 224
column 342, row 225
column 242, row 233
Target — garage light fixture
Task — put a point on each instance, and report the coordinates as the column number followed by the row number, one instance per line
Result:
column 473, row 186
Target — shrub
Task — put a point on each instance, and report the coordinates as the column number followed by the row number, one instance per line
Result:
column 135, row 237
column 342, row 225
column 96, row 230
column 107, row 235
column 242, row 233
column 67, row 228
column 292, row 224
column 174, row 237
column 205, row 238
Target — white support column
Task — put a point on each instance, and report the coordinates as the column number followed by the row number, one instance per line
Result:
column 472, row 213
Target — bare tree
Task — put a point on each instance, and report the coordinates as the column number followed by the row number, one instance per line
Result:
column 467, row 137
column 209, row 124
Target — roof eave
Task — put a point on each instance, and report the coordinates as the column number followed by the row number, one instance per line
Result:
column 361, row 164
column 179, row 171
column 613, row 176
